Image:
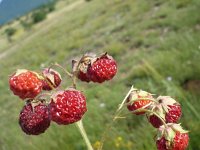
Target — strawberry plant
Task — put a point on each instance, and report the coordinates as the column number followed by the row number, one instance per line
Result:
column 46, row 102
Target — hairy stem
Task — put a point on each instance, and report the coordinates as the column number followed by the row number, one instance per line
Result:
column 61, row 67
column 116, row 115
column 150, row 111
column 124, row 100
column 79, row 125
column 74, row 81
column 163, row 121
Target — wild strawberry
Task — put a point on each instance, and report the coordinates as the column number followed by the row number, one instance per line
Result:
column 67, row 106
column 138, row 99
column 83, row 76
column 25, row 84
column 52, row 79
column 167, row 108
column 34, row 119
column 104, row 68
column 172, row 137
column 96, row 69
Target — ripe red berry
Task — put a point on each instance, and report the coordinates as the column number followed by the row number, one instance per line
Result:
column 172, row 138
column 167, row 108
column 104, row 68
column 34, row 120
column 25, row 84
column 52, row 79
column 83, row 76
column 174, row 113
column 181, row 141
column 67, row 106
column 154, row 120
column 138, row 99
column 96, row 69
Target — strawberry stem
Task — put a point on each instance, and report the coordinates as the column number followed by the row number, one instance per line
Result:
column 163, row 121
column 124, row 100
column 71, row 75
column 116, row 116
column 150, row 111
column 61, row 67
column 74, row 81
column 80, row 126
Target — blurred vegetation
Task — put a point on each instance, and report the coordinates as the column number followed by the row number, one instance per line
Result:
column 41, row 13
column 26, row 24
column 156, row 45
column 38, row 16
column 10, row 32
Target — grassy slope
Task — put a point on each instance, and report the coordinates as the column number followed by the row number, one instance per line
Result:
column 150, row 40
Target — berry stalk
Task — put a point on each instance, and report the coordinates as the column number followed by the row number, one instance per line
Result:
column 61, row 67
column 116, row 115
column 150, row 111
column 124, row 100
column 80, row 126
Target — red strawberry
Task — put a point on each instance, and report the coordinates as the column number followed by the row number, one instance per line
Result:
column 139, row 99
column 25, row 84
column 172, row 137
column 83, row 76
column 67, row 106
column 34, row 119
column 96, row 69
column 167, row 108
column 52, row 79
column 104, row 68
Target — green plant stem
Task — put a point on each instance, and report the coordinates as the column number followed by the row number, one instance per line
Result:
column 74, row 81
column 116, row 115
column 61, row 67
column 163, row 121
column 150, row 111
column 124, row 100
column 80, row 126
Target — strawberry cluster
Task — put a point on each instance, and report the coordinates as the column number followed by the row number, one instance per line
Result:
column 163, row 113
column 95, row 69
column 46, row 102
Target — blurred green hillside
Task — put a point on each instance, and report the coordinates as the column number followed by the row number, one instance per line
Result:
column 156, row 44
